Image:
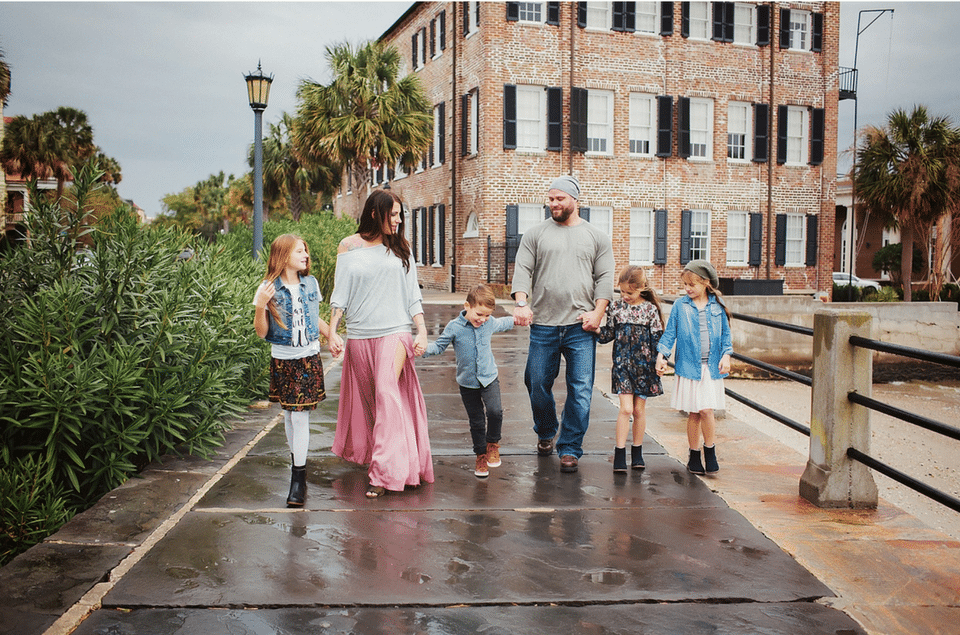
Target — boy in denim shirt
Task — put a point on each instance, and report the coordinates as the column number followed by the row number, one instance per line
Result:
column 470, row 334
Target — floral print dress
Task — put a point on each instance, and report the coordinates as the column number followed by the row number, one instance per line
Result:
column 634, row 331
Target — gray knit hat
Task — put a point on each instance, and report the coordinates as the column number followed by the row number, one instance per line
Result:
column 568, row 184
column 705, row 270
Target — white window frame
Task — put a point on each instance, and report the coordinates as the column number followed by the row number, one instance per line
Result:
column 531, row 119
column 599, row 122
column 738, row 238
column 797, row 140
column 648, row 17
column 437, row 237
column 745, row 23
column 474, row 130
column 437, row 124
column 529, row 215
column 795, row 241
column 701, row 129
column 643, row 124
column 700, row 234
column 599, row 16
column 424, row 231
column 531, row 12
column 801, row 30
column 422, row 43
column 700, row 26
column 740, row 124
column 472, row 228
column 642, row 236
column 472, row 26
column 602, row 219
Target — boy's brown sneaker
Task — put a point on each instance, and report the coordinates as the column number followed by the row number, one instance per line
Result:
column 493, row 455
column 481, row 470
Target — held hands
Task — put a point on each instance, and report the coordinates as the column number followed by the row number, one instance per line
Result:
column 522, row 316
column 335, row 342
column 661, row 364
column 420, row 343
column 591, row 320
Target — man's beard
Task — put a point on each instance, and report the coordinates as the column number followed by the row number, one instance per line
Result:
column 562, row 215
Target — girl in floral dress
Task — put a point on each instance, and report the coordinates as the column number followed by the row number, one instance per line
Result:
column 634, row 324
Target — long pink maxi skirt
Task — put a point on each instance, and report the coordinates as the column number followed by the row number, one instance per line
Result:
column 382, row 421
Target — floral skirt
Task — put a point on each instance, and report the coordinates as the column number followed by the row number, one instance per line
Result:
column 297, row 384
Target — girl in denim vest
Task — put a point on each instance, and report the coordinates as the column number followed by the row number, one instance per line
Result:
column 699, row 325
column 288, row 316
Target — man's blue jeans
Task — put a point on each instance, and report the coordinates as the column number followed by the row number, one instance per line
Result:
column 579, row 349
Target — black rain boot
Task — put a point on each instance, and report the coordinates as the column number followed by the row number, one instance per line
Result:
column 710, row 458
column 298, row 486
column 694, row 465
column 619, row 459
column 636, row 457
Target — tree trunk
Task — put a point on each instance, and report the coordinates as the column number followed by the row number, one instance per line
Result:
column 296, row 203
column 906, row 260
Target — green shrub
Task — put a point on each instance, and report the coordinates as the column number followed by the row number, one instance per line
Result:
column 846, row 293
column 33, row 506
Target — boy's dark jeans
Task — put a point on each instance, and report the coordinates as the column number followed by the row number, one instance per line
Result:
column 483, row 429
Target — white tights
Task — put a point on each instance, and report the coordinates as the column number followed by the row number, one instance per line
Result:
column 297, row 427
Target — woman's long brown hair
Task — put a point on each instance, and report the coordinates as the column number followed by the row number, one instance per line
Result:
column 376, row 211
column 280, row 250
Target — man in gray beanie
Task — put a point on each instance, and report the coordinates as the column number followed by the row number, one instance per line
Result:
column 564, row 267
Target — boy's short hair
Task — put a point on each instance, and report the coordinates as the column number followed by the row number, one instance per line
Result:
column 482, row 295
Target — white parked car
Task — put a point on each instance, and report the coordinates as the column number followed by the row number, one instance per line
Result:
column 845, row 279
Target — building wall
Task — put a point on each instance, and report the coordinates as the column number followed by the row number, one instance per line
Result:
column 504, row 52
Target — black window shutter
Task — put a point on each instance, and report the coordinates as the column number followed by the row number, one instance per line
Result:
column 718, row 14
column 781, row 241
column 763, row 25
column 685, row 217
column 630, row 17
column 509, row 116
column 464, row 124
column 782, row 114
column 618, row 16
column 582, row 14
column 685, row 19
column 728, row 21
column 478, row 14
column 660, row 237
column 578, row 119
column 554, row 118
column 442, row 20
column 784, row 28
column 817, row 126
column 761, row 133
column 812, row 240
column 442, row 150
column 816, row 41
column 513, row 11
column 432, row 230
column 553, row 13
column 414, row 228
column 465, row 6
column 664, row 125
column 546, row 212
column 756, row 239
column 430, row 155
column 443, row 233
column 585, row 213
column 413, row 49
column 433, row 37
column 683, row 127
column 512, row 237
column 666, row 18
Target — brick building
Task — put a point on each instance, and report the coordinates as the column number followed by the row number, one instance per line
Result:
column 696, row 129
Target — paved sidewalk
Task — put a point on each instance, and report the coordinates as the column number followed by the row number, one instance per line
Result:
column 207, row 547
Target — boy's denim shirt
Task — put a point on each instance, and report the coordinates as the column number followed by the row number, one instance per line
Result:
column 476, row 367
column 310, row 292
column 683, row 328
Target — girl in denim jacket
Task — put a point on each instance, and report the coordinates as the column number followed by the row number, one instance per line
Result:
column 288, row 316
column 699, row 325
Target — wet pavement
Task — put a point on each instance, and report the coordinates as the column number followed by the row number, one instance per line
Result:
column 196, row 546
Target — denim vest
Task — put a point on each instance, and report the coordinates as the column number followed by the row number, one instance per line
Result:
column 683, row 328
column 310, row 292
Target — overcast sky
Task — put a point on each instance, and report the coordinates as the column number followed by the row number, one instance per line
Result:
column 162, row 83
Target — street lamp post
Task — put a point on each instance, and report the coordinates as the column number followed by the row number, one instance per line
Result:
column 258, row 93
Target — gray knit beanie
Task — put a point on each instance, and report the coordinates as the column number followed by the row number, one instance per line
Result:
column 568, row 184
column 705, row 270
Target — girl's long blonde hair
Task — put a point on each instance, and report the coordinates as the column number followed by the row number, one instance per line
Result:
column 280, row 250
column 636, row 277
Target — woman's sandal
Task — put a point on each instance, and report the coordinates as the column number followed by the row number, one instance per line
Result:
column 375, row 491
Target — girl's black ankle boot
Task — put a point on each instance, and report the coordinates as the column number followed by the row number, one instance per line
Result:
column 694, row 464
column 710, row 459
column 298, row 486
column 636, row 457
column 619, row 459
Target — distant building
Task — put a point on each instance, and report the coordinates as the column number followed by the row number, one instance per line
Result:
column 17, row 199
column 696, row 129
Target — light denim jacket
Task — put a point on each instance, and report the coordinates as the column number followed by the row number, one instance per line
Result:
column 683, row 328
column 475, row 365
column 310, row 292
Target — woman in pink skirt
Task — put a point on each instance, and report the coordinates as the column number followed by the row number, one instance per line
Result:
column 382, row 417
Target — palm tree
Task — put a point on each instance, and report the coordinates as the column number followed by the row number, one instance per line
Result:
column 287, row 179
column 903, row 175
column 367, row 116
column 4, row 79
